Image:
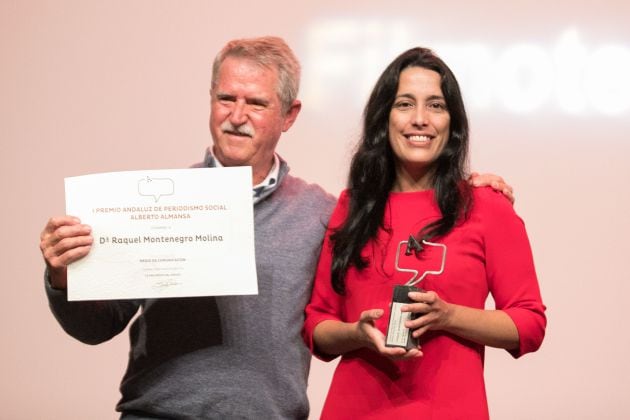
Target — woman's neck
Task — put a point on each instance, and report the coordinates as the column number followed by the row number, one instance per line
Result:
column 407, row 182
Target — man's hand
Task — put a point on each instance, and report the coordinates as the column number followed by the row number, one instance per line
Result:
column 490, row 180
column 63, row 241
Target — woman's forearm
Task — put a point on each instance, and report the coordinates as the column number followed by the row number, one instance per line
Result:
column 337, row 337
column 492, row 328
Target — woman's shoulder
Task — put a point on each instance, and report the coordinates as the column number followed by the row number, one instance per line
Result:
column 343, row 201
column 341, row 209
column 488, row 201
column 493, row 213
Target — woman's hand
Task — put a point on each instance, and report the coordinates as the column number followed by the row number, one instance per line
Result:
column 337, row 337
column 433, row 313
column 374, row 339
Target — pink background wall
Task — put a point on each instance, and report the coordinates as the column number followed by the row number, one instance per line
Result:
column 90, row 86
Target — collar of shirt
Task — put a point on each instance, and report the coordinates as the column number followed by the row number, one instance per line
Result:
column 267, row 183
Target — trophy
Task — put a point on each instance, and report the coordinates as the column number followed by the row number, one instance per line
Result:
column 397, row 334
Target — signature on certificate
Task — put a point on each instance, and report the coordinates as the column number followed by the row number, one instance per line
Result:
column 165, row 284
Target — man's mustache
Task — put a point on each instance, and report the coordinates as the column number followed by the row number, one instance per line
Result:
column 244, row 129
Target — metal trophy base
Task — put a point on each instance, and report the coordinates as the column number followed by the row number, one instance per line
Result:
column 397, row 334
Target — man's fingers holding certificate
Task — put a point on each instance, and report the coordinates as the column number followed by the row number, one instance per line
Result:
column 63, row 241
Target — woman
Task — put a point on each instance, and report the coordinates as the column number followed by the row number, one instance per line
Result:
column 407, row 178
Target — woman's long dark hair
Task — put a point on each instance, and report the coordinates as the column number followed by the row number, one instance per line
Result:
column 373, row 167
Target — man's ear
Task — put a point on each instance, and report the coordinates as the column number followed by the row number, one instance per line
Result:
column 291, row 115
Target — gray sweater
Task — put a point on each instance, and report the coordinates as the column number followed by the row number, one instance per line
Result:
column 222, row 357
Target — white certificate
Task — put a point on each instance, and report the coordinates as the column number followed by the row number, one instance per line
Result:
column 164, row 233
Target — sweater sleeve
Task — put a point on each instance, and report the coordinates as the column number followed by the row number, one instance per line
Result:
column 325, row 303
column 91, row 322
column 510, row 270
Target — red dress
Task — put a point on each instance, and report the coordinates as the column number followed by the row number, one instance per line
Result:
column 488, row 253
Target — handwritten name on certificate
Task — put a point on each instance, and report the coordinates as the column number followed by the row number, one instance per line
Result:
column 164, row 233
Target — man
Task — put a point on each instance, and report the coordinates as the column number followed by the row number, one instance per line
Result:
column 228, row 356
